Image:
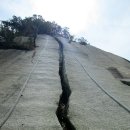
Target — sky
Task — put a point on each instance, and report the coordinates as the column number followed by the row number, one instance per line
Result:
column 104, row 23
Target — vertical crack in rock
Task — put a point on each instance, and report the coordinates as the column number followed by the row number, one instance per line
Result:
column 62, row 110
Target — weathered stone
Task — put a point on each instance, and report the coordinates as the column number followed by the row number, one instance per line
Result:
column 38, row 102
column 24, row 42
column 95, row 92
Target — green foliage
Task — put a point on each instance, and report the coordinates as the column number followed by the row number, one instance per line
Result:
column 6, row 31
column 71, row 38
column 82, row 41
column 31, row 26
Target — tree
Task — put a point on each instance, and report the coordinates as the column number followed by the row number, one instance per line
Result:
column 31, row 26
column 16, row 24
column 66, row 33
column 82, row 41
column 71, row 38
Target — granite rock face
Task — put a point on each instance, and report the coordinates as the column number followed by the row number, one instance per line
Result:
column 36, row 107
column 98, row 101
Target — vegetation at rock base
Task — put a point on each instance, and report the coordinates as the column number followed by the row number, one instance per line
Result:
column 81, row 41
column 29, row 27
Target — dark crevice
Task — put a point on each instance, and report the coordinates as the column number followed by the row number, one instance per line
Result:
column 63, row 105
column 115, row 72
column 125, row 81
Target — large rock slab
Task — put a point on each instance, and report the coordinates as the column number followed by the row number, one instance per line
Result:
column 90, row 107
column 38, row 103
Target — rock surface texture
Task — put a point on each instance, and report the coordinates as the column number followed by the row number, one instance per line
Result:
column 24, row 42
column 31, row 88
column 36, row 107
column 99, row 100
